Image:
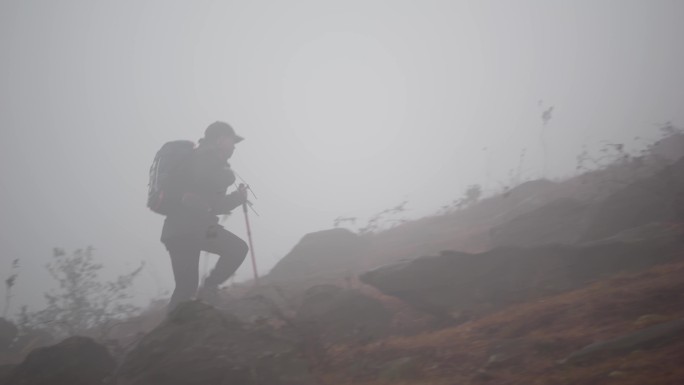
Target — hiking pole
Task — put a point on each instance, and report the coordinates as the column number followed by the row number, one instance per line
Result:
column 249, row 238
column 247, row 187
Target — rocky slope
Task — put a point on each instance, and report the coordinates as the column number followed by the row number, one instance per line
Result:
column 549, row 283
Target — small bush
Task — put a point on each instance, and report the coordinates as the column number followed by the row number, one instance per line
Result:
column 82, row 303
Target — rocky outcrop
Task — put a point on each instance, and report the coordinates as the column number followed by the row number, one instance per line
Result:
column 335, row 315
column 8, row 332
column 659, row 198
column 319, row 257
column 458, row 284
column 563, row 221
column 74, row 361
column 197, row 344
column 643, row 339
column 5, row 371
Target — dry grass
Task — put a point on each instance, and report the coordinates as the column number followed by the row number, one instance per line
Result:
column 547, row 331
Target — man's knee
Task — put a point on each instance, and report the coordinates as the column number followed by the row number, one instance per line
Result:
column 244, row 248
column 233, row 246
column 238, row 250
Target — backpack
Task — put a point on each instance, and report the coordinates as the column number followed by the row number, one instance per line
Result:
column 163, row 194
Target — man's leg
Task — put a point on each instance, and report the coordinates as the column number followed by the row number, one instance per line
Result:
column 185, row 263
column 231, row 251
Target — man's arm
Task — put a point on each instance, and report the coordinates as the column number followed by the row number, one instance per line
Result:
column 231, row 201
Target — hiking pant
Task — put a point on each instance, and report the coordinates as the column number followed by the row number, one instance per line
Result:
column 185, row 253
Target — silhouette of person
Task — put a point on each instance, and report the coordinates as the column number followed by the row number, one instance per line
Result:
column 193, row 225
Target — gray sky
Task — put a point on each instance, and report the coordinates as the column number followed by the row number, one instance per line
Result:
column 348, row 107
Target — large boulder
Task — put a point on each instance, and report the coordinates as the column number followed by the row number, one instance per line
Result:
column 562, row 221
column 652, row 336
column 199, row 345
column 319, row 257
column 74, row 361
column 8, row 332
column 463, row 284
column 659, row 198
column 5, row 371
column 669, row 149
column 525, row 197
column 335, row 315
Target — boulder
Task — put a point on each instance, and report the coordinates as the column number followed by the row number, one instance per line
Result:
column 335, row 315
column 562, row 221
column 649, row 337
column 518, row 200
column 8, row 332
column 659, row 198
column 263, row 307
column 74, row 361
column 320, row 257
column 463, row 284
column 669, row 149
column 199, row 345
column 532, row 189
column 5, row 370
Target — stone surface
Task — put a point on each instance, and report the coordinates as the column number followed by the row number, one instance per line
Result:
column 335, row 315
column 563, row 221
column 642, row 339
column 458, row 283
column 320, row 256
column 5, row 371
column 650, row 319
column 654, row 199
column 8, row 333
column 199, row 345
column 400, row 370
column 74, row 361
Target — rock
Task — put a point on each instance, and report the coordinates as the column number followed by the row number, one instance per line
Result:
column 199, row 345
column 264, row 308
column 645, row 338
column 399, row 370
column 335, row 315
column 458, row 283
column 530, row 190
column 652, row 199
column 669, row 149
column 562, row 221
column 8, row 332
column 254, row 307
column 505, row 353
column 5, row 371
column 523, row 198
column 650, row 319
column 319, row 257
column 31, row 339
column 74, row 361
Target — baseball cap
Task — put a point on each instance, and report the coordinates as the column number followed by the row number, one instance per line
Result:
column 219, row 129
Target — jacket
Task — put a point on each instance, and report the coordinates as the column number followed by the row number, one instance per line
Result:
column 203, row 180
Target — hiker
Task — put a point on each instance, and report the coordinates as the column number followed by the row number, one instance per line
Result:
column 192, row 225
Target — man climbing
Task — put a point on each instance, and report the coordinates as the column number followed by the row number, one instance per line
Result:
column 192, row 226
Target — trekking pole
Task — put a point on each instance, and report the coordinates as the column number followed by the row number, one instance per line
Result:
column 249, row 238
column 247, row 187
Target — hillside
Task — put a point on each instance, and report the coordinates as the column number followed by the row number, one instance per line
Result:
column 550, row 282
column 524, row 344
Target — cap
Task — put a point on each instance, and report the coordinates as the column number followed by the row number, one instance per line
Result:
column 219, row 129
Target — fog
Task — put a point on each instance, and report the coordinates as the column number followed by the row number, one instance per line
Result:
column 347, row 108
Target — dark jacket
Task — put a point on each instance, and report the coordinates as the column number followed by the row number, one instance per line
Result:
column 203, row 180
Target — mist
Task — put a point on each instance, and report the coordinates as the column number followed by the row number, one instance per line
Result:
column 348, row 108
column 493, row 184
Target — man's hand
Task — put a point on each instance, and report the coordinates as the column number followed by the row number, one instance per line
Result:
column 241, row 193
column 232, row 201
